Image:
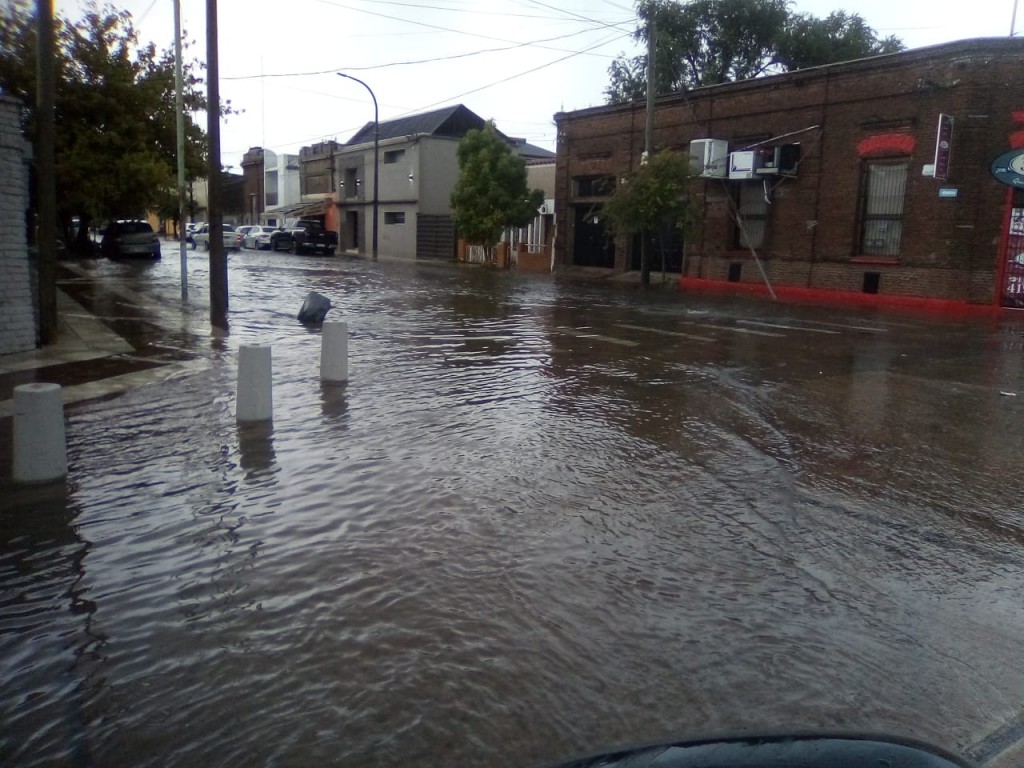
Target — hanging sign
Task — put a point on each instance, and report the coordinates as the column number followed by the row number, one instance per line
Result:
column 1009, row 168
column 943, row 146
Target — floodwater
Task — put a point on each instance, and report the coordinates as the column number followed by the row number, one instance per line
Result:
column 542, row 518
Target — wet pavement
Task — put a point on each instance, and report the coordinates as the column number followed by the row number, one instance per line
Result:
column 542, row 518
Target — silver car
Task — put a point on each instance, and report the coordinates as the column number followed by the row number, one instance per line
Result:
column 258, row 237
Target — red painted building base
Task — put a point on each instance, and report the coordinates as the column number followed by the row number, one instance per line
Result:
column 825, row 297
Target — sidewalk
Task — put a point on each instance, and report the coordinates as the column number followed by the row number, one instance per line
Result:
column 87, row 360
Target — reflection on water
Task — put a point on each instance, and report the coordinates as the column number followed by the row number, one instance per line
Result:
column 256, row 447
column 539, row 519
column 333, row 400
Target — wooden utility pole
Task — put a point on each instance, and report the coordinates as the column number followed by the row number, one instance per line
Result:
column 218, row 259
column 645, row 255
column 46, row 172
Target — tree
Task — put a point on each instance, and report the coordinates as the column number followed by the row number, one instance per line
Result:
column 115, row 112
column 491, row 194
column 707, row 42
column 810, row 42
column 651, row 199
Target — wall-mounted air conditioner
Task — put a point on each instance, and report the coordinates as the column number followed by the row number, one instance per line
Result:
column 745, row 164
column 709, row 158
column 782, row 160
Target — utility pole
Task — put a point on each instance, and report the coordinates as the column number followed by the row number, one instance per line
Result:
column 376, row 157
column 645, row 255
column 218, row 260
column 46, row 173
column 179, row 105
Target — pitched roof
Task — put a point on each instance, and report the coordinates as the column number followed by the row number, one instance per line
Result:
column 451, row 121
column 529, row 151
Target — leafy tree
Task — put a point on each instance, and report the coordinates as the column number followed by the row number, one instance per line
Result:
column 115, row 111
column 706, row 42
column 651, row 199
column 491, row 194
column 840, row 36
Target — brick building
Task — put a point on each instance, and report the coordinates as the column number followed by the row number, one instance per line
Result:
column 864, row 177
column 18, row 316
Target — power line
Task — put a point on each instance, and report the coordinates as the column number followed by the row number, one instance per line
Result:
column 420, row 61
column 570, row 13
column 474, row 11
column 474, row 90
column 445, row 29
column 517, row 75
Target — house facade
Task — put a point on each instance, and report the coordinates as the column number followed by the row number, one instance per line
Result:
column 254, row 185
column 232, row 195
column 417, row 168
column 870, row 178
column 282, row 197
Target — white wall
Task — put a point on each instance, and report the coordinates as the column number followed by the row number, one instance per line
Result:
column 17, row 309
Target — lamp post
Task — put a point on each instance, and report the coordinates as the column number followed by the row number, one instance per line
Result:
column 376, row 149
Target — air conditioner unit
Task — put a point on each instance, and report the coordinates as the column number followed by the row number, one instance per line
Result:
column 745, row 164
column 782, row 160
column 709, row 158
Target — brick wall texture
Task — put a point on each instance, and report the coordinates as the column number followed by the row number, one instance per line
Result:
column 17, row 308
column 843, row 116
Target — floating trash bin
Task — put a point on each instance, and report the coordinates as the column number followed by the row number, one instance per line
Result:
column 314, row 309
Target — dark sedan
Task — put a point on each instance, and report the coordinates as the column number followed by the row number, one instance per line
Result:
column 130, row 238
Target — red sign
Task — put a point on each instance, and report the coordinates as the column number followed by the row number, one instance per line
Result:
column 943, row 145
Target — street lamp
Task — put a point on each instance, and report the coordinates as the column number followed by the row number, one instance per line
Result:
column 376, row 149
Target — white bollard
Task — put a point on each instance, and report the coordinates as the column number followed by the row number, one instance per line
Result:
column 40, row 447
column 334, row 352
column 255, row 401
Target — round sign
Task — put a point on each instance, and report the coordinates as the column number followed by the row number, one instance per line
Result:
column 1009, row 168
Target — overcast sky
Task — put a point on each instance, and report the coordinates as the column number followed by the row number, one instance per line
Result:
column 515, row 61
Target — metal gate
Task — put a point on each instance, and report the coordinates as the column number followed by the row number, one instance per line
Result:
column 435, row 237
column 1013, row 271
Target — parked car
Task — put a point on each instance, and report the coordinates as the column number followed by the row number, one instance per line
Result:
column 130, row 237
column 190, row 229
column 201, row 238
column 259, row 237
column 304, row 236
column 240, row 233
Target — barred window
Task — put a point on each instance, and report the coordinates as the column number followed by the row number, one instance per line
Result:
column 884, row 190
column 753, row 209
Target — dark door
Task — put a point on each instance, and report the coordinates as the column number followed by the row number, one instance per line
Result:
column 665, row 251
column 351, row 231
column 592, row 245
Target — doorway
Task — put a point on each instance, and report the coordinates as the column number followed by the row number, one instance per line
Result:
column 351, row 239
column 1012, row 288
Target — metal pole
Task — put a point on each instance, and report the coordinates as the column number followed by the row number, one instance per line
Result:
column 1013, row 19
column 645, row 256
column 46, row 173
column 376, row 152
column 218, row 260
column 179, row 104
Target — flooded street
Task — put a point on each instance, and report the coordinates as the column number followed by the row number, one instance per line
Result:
column 542, row 518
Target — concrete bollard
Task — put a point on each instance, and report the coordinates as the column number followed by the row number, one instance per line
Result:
column 40, row 446
column 334, row 352
column 255, row 401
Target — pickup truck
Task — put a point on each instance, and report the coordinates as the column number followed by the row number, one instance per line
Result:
column 304, row 236
column 201, row 238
